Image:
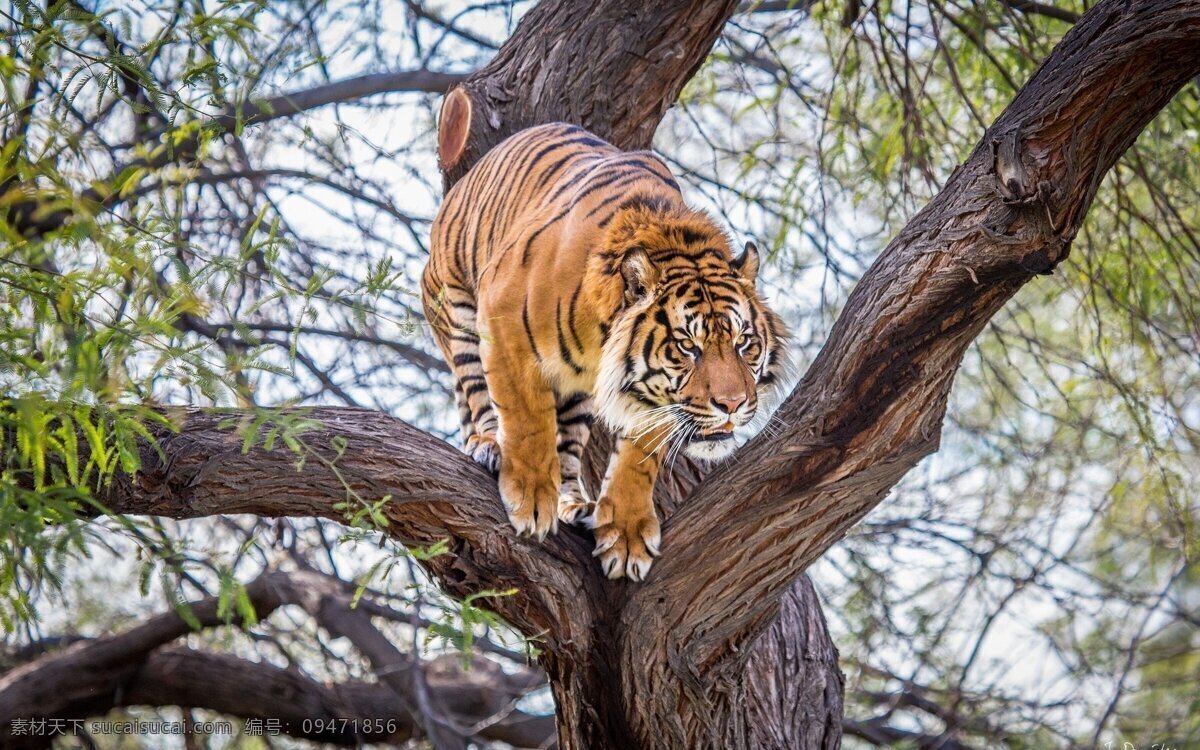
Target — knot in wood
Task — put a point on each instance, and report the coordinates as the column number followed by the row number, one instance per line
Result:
column 1016, row 172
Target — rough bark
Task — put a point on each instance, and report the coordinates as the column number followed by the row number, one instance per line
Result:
column 436, row 494
column 689, row 659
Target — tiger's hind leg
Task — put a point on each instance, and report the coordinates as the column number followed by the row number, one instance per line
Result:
column 529, row 470
column 574, row 413
column 453, row 316
column 464, row 413
column 481, row 444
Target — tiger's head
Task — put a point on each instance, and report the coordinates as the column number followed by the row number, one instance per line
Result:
column 693, row 352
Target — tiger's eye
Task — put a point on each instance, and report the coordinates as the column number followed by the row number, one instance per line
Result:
column 688, row 347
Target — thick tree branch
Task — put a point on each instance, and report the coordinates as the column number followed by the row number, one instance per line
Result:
column 329, row 713
column 872, row 404
column 435, row 493
column 48, row 686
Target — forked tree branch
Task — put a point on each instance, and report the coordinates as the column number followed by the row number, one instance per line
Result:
column 868, row 409
column 872, row 404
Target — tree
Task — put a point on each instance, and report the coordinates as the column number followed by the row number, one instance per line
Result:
column 690, row 658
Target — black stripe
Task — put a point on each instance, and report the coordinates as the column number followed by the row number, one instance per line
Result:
column 571, row 319
column 482, row 182
column 584, row 418
column 475, row 388
column 465, row 359
column 730, row 300
column 643, row 398
column 648, row 202
column 562, row 342
column 557, row 166
column 529, row 242
column 575, row 399
column 651, row 164
column 570, row 446
column 504, row 208
column 477, row 415
column 648, row 347
column 604, row 222
column 583, row 174
column 529, row 331
column 618, row 180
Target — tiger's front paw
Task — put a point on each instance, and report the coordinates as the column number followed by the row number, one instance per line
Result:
column 626, row 540
column 485, row 450
column 531, row 502
column 573, row 505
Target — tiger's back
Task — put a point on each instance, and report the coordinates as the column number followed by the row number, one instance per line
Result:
column 524, row 192
column 515, row 235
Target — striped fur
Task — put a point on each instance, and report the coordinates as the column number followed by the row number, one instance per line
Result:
column 568, row 279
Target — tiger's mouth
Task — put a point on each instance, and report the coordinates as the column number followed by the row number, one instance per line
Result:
column 714, row 434
column 713, row 443
column 712, row 437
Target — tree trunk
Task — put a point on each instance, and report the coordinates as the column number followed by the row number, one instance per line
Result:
column 788, row 696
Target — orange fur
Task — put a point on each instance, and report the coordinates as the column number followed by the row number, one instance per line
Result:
column 567, row 278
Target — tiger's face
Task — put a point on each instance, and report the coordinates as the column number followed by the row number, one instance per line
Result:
column 693, row 355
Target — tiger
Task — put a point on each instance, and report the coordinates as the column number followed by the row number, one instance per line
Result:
column 568, row 280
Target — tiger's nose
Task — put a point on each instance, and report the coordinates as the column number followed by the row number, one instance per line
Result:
column 729, row 403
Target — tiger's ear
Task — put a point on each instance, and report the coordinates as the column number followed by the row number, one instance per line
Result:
column 746, row 264
column 639, row 273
